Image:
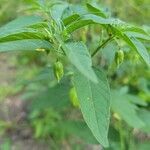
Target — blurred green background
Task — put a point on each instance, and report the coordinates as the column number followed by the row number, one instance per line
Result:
column 33, row 118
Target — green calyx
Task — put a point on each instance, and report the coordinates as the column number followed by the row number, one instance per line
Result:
column 119, row 57
column 73, row 97
column 58, row 70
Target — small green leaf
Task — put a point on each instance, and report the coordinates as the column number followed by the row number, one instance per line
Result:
column 25, row 45
column 95, row 104
column 80, row 58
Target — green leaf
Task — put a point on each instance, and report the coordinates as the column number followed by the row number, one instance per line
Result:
column 89, row 19
column 93, row 9
column 95, row 104
column 25, row 45
column 19, row 25
column 70, row 19
column 22, row 34
column 137, row 35
column 21, row 22
column 134, row 44
column 79, row 56
column 126, row 108
column 123, row 28
column 131, row 28
column 141, row 50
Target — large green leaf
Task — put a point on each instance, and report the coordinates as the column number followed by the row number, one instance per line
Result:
column 94, row 101
column 19, row 25
column 80, row 58
column 125, row 106
column 25, row 45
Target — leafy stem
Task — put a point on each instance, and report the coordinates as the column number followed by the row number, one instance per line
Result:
column 102, row 45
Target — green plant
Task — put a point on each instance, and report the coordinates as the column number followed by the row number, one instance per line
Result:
column 53, row 32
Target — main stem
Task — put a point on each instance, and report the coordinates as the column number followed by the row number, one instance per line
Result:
column 102, row 45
